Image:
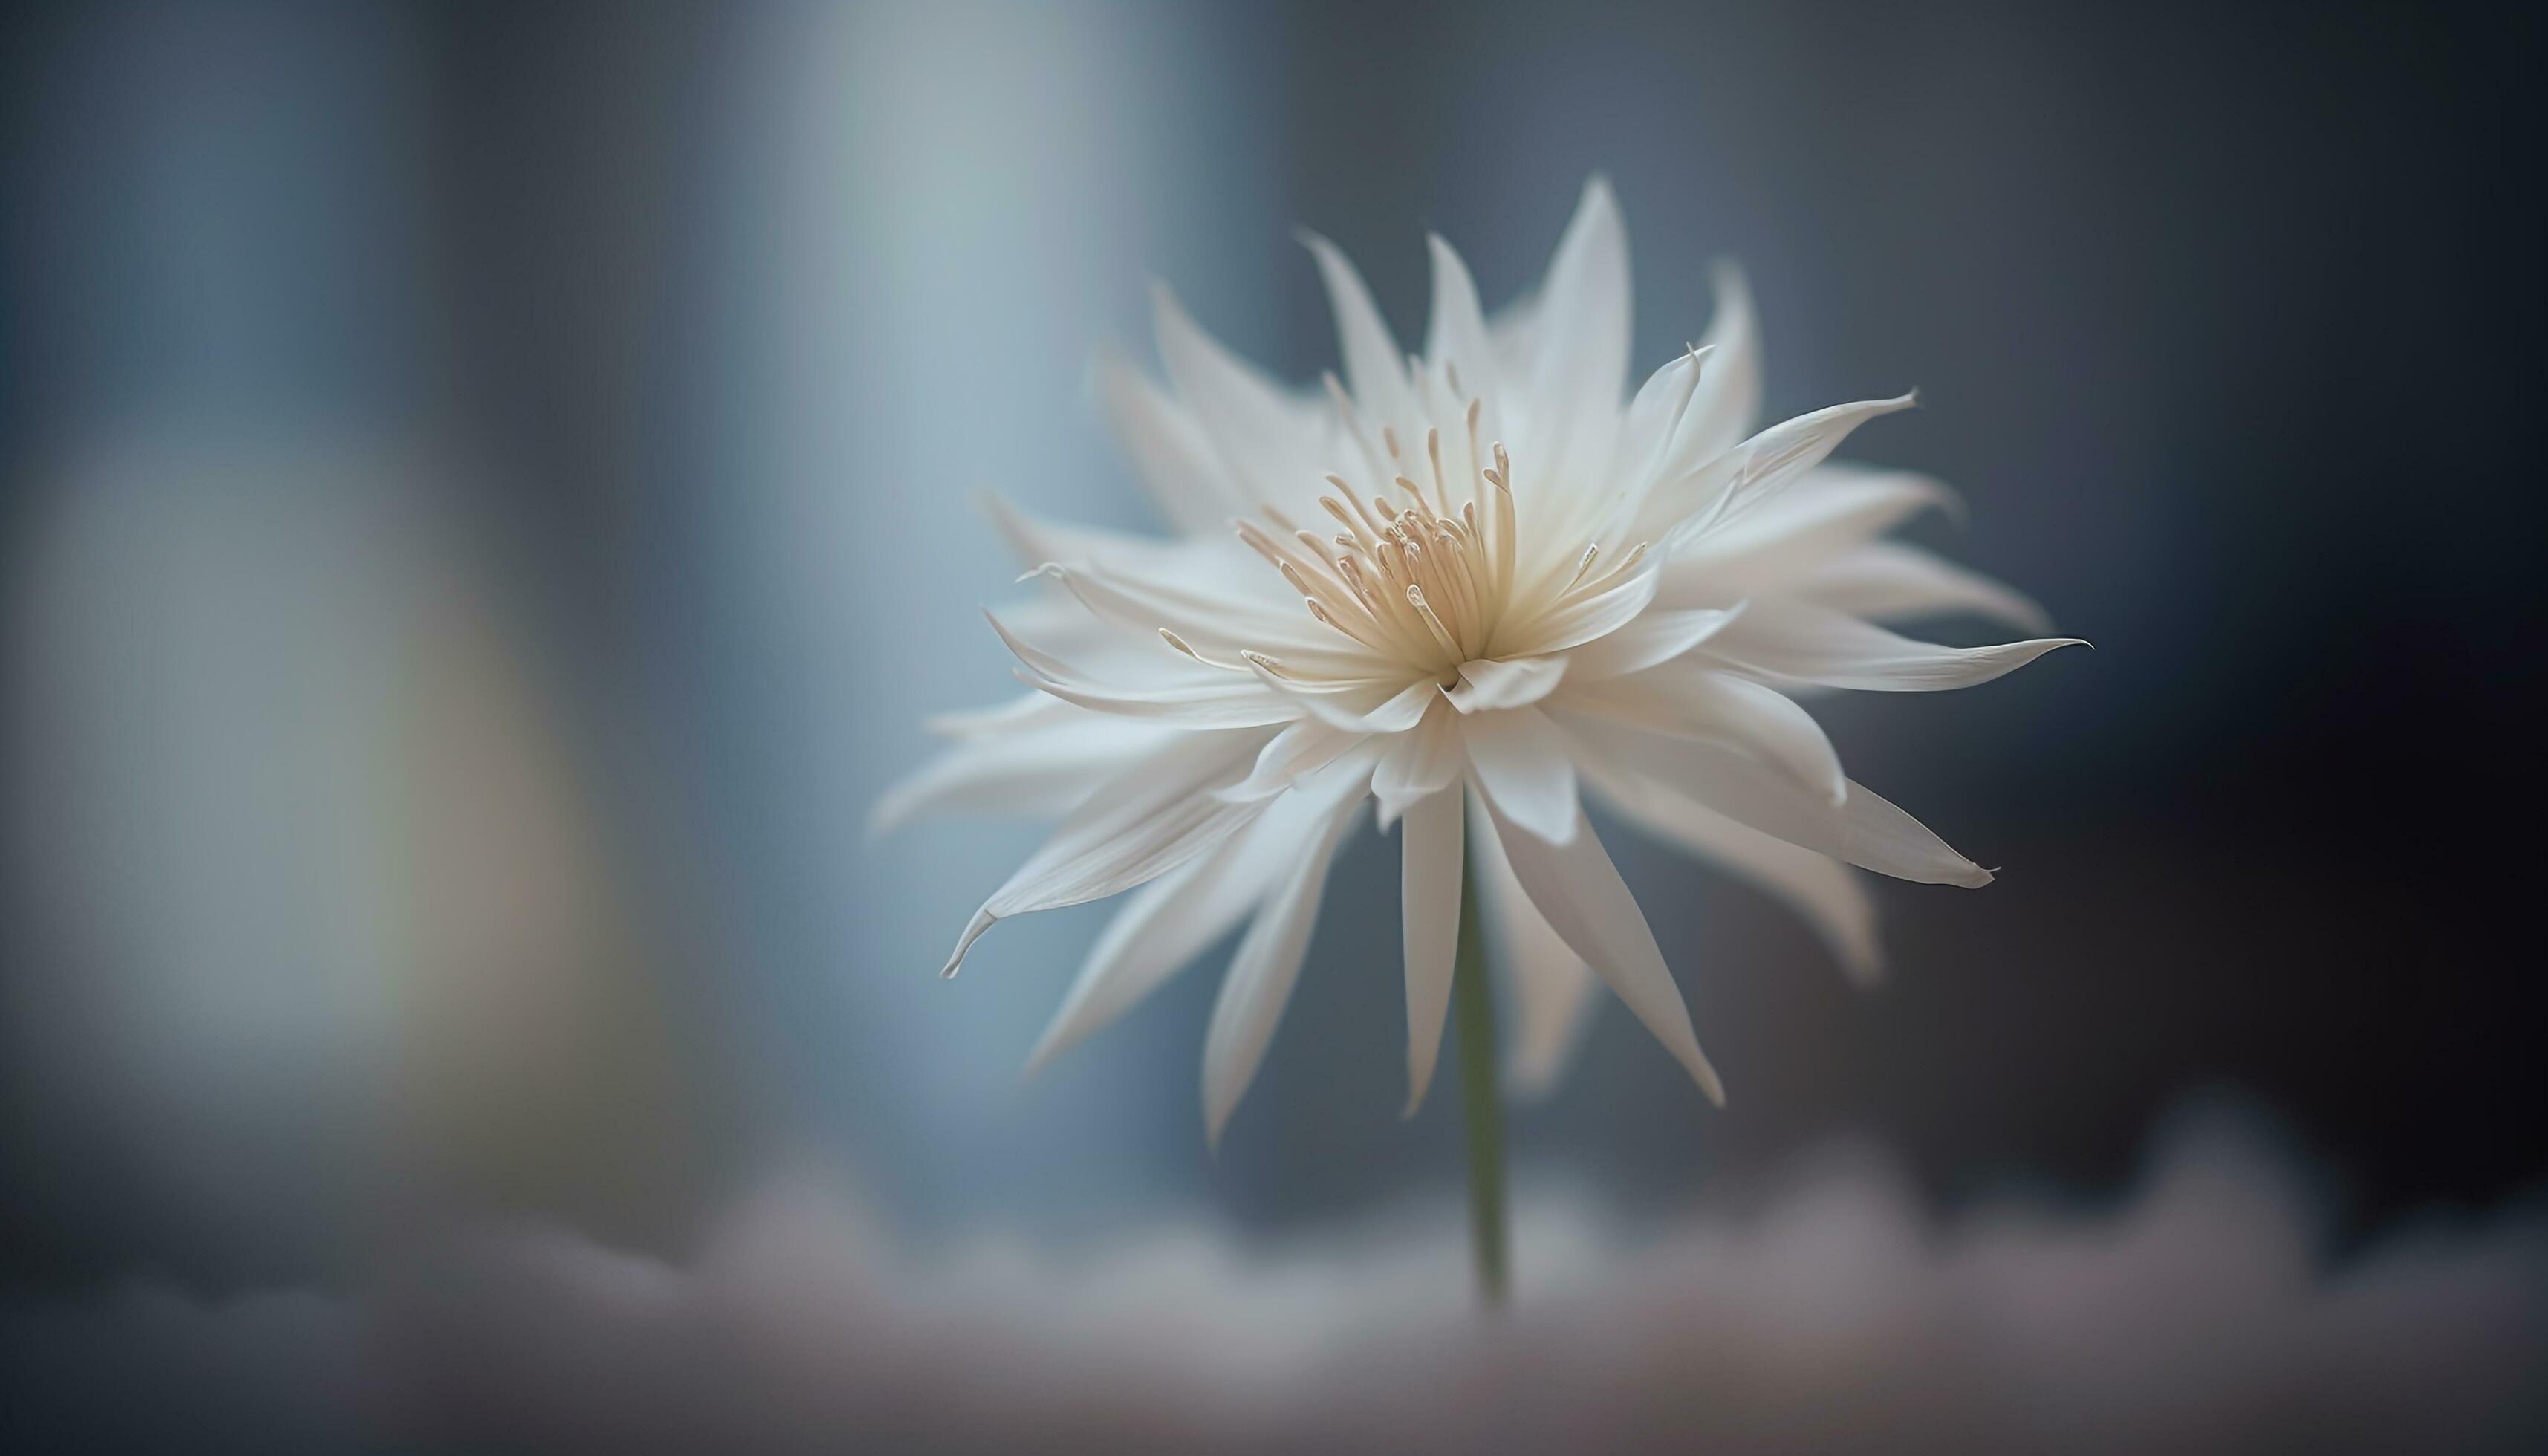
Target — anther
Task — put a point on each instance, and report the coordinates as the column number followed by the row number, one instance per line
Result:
column 1586, row 565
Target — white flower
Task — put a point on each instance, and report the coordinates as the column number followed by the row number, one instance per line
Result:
column 1469, row 585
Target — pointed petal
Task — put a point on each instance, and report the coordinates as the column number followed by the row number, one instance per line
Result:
column 1165, row 924
column 1580, row 369
column 1727, row 406
column 1429, row 910
column 1138, row 826
column 1215, row 706
column 1025, row 713
column 1832, row 511
column 1231, row 703
column 1794, row 642
column 1043, row 772
column 1525, row 769
column 1863, row 829
column 1172, row 457
column 1579, row 891
column 1303, row 749
column 1487, row 684
column 1880, row 837
column 1887, row 581
column 1686, row 701
column 1364, row 707
column 1655, row 417
column 1033, row 541
column 1373, row 365
column 1265, row 441
column 1823, row 890
column 1581, row 620
column 1221, row 626
column 1656, row 636
column 1551, row 987
column 1419, row 763
column 1457, row 333
column 1263, row 972
column 1682, row 511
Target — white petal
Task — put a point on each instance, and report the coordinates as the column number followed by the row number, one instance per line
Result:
column 1033, row 541
column 1653, row 637
column 1864, row 830
column 1361, row 706
column 1727, row 406
column 1580, row 894
column 1457, row 333
column 1887, row 581
column 1683, row 510
column 1686, row 700
column 1233, row 707
column 1655, row 417
column 1135, row 828
column 1419, row 763
column 1551, row 987
column 1794, row 642
column 1218, row 625
column 1263, row 972
column 1818, row 887
column 1429, row 910
column 1882, row 838
column 1525, row 769
column 1373, row 366
column 1171, row 453
column 1303, row 749
column 1025, row 713
column 1042, row 772
column 1830, row 513
column 1513, row 332
column 1580, row 619
column 1265, row 439
column 1168, row 922
column 1487, row 684
column 1580, row 367
column 1227, row 702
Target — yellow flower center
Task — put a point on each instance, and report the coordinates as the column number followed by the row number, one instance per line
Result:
column 1423, row 573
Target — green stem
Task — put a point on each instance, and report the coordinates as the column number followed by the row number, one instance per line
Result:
column 1482, row 1106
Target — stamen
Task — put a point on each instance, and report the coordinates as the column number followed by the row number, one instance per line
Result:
column 1425, row 573
column 1181, row 645
column 1353, row 519
column 1361, row 509
column 1415, row 599
column 1586, row 565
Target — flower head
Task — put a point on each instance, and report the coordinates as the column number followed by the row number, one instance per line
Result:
column 1469, row 585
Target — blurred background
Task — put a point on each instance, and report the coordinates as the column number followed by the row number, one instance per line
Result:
column 483, row 501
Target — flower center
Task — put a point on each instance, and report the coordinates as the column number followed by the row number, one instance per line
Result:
column 1423, row 574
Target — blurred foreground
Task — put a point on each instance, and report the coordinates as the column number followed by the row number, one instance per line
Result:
column 1823, row 1310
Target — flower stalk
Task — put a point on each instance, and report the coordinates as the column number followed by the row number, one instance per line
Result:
column 1481, row 1105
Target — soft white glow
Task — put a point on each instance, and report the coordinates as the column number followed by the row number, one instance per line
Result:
column 1523, row 584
